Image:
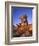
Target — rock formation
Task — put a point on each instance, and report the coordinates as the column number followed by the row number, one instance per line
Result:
column 24, row 29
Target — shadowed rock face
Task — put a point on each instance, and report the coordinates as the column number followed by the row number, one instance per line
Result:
column 24, row 29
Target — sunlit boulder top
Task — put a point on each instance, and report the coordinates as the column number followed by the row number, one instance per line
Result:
column 23, row 16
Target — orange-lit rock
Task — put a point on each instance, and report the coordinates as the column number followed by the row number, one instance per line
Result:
column 23, row 28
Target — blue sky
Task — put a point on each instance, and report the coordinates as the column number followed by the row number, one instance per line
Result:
column 16, row 12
